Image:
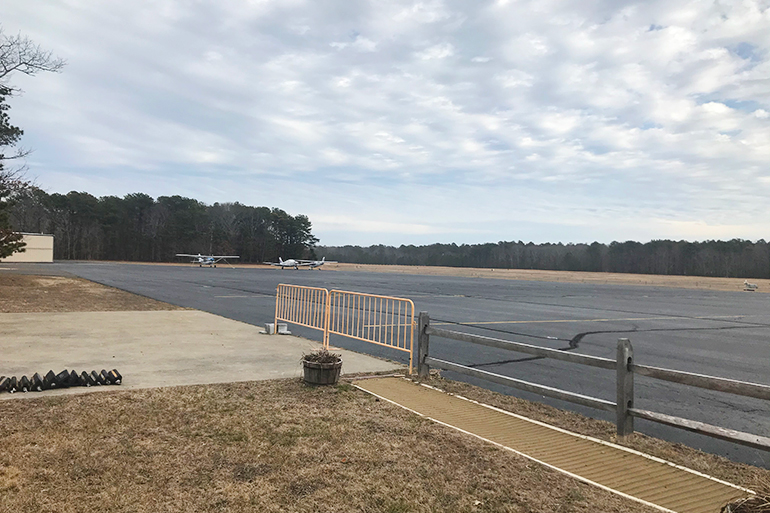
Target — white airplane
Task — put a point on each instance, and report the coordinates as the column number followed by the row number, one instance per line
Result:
column 297, row 263
column 209, row 260
column 749, row 286
column 315, row 263
column 285, row 263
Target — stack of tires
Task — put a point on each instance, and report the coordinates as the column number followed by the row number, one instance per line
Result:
column 65, row 379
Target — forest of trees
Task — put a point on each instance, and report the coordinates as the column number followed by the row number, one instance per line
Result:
column 138, row 227
column 735, row 258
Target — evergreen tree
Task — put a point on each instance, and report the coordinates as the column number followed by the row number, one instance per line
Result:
column 10, row 183
column 17, row 54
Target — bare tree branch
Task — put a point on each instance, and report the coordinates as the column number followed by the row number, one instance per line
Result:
column 19, row 53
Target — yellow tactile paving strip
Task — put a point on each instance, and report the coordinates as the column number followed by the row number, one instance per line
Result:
column 626, row 472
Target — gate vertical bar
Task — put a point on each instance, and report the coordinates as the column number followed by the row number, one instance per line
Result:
column 625, row 388
column 423, row 340
column 277, row 302
column 412, row 326
column 327, row 304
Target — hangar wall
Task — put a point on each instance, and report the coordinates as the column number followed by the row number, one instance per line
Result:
column 39, row 248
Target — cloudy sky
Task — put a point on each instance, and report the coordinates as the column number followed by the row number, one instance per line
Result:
column 414, row 122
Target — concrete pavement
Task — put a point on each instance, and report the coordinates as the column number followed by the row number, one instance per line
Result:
column 156, row 349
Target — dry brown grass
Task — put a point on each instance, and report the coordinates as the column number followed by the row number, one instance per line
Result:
column 738, row 473
column 268, row 446
column 687, row 282
column 21, row 293
column 652, row 280
column 759, row 503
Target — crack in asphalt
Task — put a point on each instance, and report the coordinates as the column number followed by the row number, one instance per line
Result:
column 270, row 293
column 605, row 309
column 498, row 330
column 574, row 342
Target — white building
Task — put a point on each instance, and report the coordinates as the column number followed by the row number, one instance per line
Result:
column 39, row 248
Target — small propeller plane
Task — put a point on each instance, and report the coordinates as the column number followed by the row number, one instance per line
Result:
column 285, row 263
column 209, row 260
column 297, row 263
column 314, row 263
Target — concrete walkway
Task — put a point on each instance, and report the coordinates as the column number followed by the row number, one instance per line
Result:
column 642, row 478
column 155, row 349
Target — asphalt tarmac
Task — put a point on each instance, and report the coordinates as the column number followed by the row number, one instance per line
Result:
column 723, row 334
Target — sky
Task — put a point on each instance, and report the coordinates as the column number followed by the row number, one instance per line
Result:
column 390, row 122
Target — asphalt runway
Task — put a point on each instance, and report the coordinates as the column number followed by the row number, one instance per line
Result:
column 723, row 334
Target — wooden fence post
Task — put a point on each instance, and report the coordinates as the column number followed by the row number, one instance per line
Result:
column 423, row 340
column 625, row 388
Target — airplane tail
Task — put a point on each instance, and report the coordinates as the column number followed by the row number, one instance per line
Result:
column 280, row 260
column 323, row 259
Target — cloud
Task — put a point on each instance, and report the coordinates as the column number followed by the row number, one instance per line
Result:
column 439, row 120
column 439, row 51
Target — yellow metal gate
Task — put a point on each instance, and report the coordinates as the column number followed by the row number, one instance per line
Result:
column 383, row 320
column 306, row 306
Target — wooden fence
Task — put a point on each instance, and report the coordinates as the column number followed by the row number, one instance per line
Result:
column 624, row 367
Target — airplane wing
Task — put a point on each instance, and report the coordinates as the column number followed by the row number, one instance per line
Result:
column 206, row 256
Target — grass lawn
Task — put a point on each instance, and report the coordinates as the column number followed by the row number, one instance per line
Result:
column 261, row 446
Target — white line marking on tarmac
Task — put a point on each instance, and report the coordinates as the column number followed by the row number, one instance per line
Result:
column 704, row 317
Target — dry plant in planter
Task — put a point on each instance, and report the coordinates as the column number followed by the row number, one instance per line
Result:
column 321, row 367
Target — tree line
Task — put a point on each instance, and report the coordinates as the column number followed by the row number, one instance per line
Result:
column 734, row 259
column 138, row 227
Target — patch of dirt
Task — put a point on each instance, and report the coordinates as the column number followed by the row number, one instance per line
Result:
column 23, row 293
column 737, row 473
column 275, row 446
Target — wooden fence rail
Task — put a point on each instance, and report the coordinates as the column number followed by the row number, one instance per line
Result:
column 624, row 367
